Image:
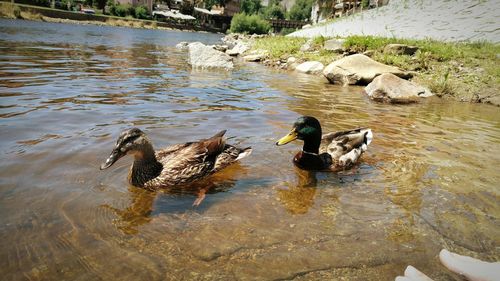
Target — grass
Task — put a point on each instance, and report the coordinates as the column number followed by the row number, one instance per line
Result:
column 279, row 47
column 464, row 70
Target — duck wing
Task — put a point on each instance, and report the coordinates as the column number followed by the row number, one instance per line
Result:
column 186, row 162
column 229, row 155
column 346, row 147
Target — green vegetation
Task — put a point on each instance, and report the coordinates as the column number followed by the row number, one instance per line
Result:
column 141, row 12
column 122, row 10
column 301, row 10
column 251, row 24
column 286, row 30
column 127, row 10
column 250, row 7
column 279, row 47
column 274, row 10
column 461, row 70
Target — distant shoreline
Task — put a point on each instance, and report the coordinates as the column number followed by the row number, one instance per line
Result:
column 28, row 12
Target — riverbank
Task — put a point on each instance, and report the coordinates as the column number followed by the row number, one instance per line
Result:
column 468, row 72
column 453, row 21
column 29, row 12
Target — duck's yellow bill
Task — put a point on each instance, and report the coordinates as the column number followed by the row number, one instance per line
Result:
column 288, row 138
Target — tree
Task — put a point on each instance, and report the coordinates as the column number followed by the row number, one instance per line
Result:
column 274, row 10
column 301, row 10
column 250, row 7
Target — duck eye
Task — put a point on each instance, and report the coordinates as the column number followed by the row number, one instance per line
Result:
column 132, row 138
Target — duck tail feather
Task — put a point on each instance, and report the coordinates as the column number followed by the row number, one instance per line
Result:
column 244, row 153
column 219, row 134
column 368, row 137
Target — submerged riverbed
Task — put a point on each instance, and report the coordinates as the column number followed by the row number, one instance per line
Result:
column 428, row 181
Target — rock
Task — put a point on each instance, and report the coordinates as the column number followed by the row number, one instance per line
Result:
column 334, row 45
column 306, row 26
column 203, row 56
column 291, row 60
column 182, row 45
column 390, row 88
column 310, row 67
column 232, row 39
column 238, row 49
column 221, row 48
column 369, row 53
column 359, row 69
column 257, row 55
column 307, row 46
column 400, row 49
column 494, row 100
column 257, row 36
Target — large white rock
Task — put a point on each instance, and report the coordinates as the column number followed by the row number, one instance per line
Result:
column 202, row 56
column 390, row 88
column 310, row 67
column 359, row 69
column 238, row 49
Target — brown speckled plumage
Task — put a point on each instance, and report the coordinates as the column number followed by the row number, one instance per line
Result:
column 175, row 165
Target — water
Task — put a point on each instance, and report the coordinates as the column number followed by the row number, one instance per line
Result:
column 429, row 180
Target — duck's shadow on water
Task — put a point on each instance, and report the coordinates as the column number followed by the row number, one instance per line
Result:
column 198, row 197
column 298, row 196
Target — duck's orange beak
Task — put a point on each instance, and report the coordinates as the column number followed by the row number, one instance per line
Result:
column 288, row 138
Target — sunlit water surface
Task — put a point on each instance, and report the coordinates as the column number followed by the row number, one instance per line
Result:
column 429, row 180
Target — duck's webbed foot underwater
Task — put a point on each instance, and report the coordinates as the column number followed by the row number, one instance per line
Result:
column 201, row 195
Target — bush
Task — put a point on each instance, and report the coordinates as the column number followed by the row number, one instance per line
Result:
column 242, row 23
column 122, row 10
column 301, row 10
column 141, row 12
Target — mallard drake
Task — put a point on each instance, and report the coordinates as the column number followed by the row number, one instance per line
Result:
column 334, row 151
column 175, row 165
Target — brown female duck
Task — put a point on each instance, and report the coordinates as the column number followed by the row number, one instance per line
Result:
column 175, row 165
column 334, row 151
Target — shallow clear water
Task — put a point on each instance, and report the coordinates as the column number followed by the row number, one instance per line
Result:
column 429, row 180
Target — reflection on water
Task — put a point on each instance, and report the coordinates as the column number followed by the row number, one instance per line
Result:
column 429, row 179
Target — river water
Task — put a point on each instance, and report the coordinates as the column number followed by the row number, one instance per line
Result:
column 429, row 180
